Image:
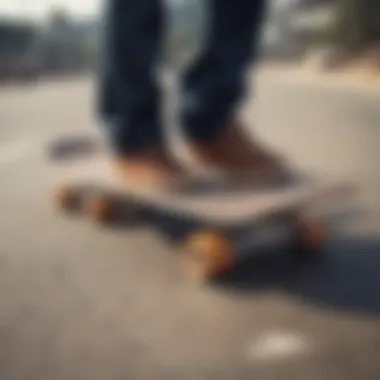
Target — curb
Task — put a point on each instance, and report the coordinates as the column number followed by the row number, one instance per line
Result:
column 368, row 82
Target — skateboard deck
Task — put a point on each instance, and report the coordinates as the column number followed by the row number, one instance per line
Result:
column 220, row 204
column 215, row 200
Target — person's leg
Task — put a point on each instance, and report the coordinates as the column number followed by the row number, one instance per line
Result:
column 129, row 97
column 215, row 83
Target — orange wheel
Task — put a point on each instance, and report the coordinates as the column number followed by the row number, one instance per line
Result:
column 67, row 198
column 99, row 208
column 312, row 235
column 206, row 255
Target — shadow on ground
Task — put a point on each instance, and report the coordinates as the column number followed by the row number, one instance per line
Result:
column 347, row 278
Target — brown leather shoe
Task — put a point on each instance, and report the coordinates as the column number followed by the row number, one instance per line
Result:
column 151, row 167
column 233, row 152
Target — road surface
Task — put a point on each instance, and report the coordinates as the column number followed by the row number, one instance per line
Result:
column 79, row 302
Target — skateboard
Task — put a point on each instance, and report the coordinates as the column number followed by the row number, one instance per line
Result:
column 226, row 217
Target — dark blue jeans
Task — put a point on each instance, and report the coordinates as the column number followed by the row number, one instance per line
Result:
column 211, row 88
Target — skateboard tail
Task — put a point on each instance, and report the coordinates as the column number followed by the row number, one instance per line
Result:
column 309, row 197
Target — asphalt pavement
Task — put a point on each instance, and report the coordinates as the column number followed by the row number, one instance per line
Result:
column 83, row 302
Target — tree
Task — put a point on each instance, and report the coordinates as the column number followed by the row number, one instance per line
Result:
column 357, row 24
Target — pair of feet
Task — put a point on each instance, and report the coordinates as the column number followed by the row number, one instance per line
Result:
column 231, row 153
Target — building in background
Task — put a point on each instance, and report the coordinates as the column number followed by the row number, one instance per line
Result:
column 61, row 45
column 67, row 45
column 18, row 49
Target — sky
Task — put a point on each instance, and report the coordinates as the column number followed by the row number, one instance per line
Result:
column 37, row 9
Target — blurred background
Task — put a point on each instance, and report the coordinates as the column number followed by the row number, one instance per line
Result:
column 79, row 301
column 45, row 37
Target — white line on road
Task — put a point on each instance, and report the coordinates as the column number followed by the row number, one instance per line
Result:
column 274, row 345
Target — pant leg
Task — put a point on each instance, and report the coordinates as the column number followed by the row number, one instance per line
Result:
column 129, row 97
column 215, row 82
